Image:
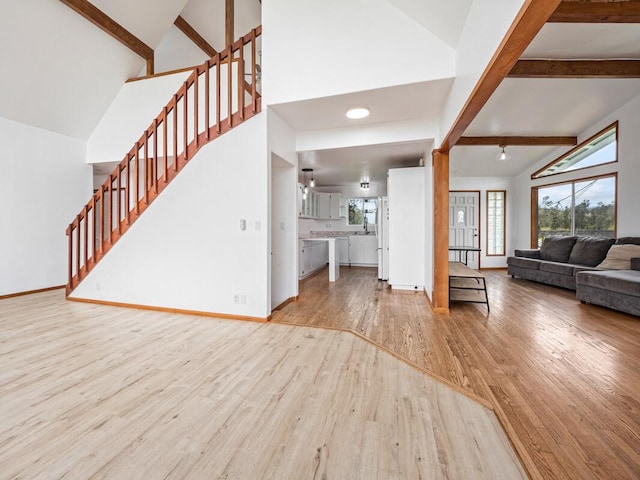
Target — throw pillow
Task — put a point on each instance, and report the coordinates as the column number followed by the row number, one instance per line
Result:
column 590, row 251
column 619, row 257
column 556, row 248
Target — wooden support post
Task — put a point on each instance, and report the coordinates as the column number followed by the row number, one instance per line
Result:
column 440, row 294
column 150, row 65
column 228, row 24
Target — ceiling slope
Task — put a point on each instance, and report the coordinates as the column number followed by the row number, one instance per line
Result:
column 207, row 17
column 444, row 19
column 61, row 72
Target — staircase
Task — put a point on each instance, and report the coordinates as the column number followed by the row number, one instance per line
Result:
column 219, row 95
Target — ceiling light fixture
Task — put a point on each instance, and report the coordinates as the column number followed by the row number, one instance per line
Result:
column 364, row 186
column 357, row 113
column 503, row 156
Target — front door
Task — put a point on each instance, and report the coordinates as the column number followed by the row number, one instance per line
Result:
column 464, row 221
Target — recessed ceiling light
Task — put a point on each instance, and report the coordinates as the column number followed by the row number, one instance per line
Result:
column 357, row 113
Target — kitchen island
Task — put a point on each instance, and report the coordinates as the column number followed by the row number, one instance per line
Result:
column 316, row 252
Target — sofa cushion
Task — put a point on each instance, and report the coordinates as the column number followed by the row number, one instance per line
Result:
column 559, row 268
column 556, row 248
column 619, row 257
column 590, row 251
column 635, row 264
column 582, row 268
column 524, row 262
column 628, row 241
column 528, row 253
column 620, row 281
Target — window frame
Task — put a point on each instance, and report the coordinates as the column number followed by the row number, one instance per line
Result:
column 504, row 224
column 534, row 202
column 536, row 175
column 364, row 199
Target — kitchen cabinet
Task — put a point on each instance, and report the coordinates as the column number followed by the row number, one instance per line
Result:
column 334, row 205
column 307, row 207
column 363, row 250
column 342, row 244
column 325, row 206
column 312, row 255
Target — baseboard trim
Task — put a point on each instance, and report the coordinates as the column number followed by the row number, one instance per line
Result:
column 31, row 292
column 222, row 316
column 285, row 303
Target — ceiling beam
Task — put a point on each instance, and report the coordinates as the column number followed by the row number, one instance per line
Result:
column 531, row 18
column 597, row 12
column 194, row 36
column 517, row 141
column 110, row 26
column 576, row 69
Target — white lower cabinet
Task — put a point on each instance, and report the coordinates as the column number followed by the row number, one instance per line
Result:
column 363, row 250
column 312, row 255
column 342, row 245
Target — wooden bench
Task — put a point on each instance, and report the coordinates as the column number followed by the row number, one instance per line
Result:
column 467, row 285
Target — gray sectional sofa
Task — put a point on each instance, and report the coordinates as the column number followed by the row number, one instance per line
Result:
column 616, row 289
column 576, row 263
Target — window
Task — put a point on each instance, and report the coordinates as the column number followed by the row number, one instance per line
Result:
column 496, row 223
column 600, row 149
column 361, row 208
column 581, row 207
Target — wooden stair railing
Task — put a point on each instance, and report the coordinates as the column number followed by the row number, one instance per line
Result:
column 215, row 98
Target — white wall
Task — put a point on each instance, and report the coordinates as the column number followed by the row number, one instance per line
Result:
column 45, row 183
column 487, row 24
column 628, row 168
column 342, row 46
column 406, row 228
column 187, row 251
column 283, row 238
column 129, row 115
column 176, row 51
column 482, row 184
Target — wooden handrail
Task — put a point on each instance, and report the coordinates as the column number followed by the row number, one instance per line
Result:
column 183, row 126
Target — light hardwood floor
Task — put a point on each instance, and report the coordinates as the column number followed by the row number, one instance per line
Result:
column 90, row 391
column 564, row 377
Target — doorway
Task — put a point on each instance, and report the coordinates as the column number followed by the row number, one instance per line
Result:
column 464, row 225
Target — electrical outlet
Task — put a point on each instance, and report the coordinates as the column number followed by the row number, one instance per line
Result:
column 236, row 299
column 243, row 299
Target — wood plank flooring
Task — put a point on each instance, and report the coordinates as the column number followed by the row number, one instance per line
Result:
column 90, row 391
column 564, row 376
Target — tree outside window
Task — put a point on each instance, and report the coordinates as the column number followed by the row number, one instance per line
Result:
column 583, row 207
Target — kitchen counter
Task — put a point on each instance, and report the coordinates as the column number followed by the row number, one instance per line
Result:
column 334, row 264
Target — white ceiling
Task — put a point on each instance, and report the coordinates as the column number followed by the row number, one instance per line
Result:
column 538, row 107
column 445, row 19
column 543, row 107
column 369, row 163
column 149, row 20
column 60, row 71
column 208, row 18
column 401, row 102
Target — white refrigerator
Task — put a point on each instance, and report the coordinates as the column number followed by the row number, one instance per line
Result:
column 382, row 232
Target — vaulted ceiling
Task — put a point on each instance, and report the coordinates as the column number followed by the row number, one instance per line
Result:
column 61, row 72
column 538, row 106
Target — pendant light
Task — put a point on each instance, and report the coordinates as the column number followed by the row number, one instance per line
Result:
column 503, row 156
column 305, row 188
